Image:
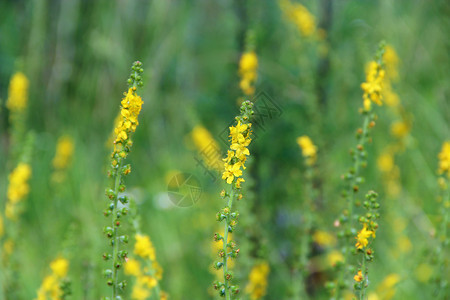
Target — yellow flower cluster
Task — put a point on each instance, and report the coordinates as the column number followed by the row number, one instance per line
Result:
column 309, row 150
column 50, row 288
column 363, row 236
column 64, row 153
column 131, row 106
column 257, row 285
column 444, row 159
column 18, row 189
column 373, row 86
column 248, row 66
column 300, row 16
column 147, row 276
column 207, row 147
column 236, row 157
column 358, row 277
column 18, row 93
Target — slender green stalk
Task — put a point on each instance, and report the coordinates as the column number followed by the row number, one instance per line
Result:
column 225, row 247
column 117, row 178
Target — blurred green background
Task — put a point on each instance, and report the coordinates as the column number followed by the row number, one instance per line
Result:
column 77, row 56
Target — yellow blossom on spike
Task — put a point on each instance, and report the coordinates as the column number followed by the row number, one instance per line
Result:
column 257, row 285
column 385, row 162
column 391, row 61
column 300, row 16
column 248, row 66
column 132, row 267
column 207, row 147
column 358, row 277
column 444, row 159
column 399, row 129
column 60, row 267
column 18, row 93
column 323, row 238
column 362, row 237
column 18, row 189
column 64, row 152
column 144, row 247
column 309, row 150
column 140, row 293
column 131, row 107
column 334, row 257
column 372, row 87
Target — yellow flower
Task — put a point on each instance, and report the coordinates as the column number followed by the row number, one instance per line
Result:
column 323, row 238
column 258, row 281
column 399, row 129
column 309, row 150
column 231, row 171
column 144, row 247
column 64, row 152
column 207, row 147
column 424, row 272
column 18, row 93
column 59, row 267
column 391, row 60
column 131, row 107
column 248, row 66
column 147, row 281
column 334, row 257
column 444, row 159
column 373, row 86
column 133, row 267
column 362, row 238
column 358, row 277
column 18, row 189
column 300, row 16
column 140, row 293
column 385, row 162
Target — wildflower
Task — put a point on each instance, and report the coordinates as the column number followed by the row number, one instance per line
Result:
column 257, row 285
column 334, row 257
column 59, row 267
column 207, row 147
column 55, row 286
column 309, row 150
column 362, row 238
column 385, row 162
column 144, row 247
column 399, row 129
column 300, row 16
column 323, row 238
column 64, row 152
column 444, row 159
column 133, row 267
column 18, row 93
column 373, row 86
column 131, row 107
column 358, row 277
column 248, row 66
column 391, row 61
column 18, row 189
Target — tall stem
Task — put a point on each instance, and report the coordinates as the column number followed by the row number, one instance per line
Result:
column 115, row 237
column 225, row 248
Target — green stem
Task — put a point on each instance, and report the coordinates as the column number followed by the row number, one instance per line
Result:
column 364, row 272
column 225, row 248
column 351, row 199
column 117, row 177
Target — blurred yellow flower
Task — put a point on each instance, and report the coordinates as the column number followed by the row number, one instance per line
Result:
column 399, row 129
column 18, row 93
column 444, row 159
column 140, row 293
column 257, row 284
column 323, row 238
column 334, row 257
column 207, row 147
column 132, row 267
column 309, row 150
column 391, row 61
column 385, row 162
column 404, row 244
column 423, row 272
column 64, row 152
column 2, row 229
column 59, row 267
column 144, row 247
column 248, row 66
column 358, row 277
column 300, row 16
column 18, row 189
